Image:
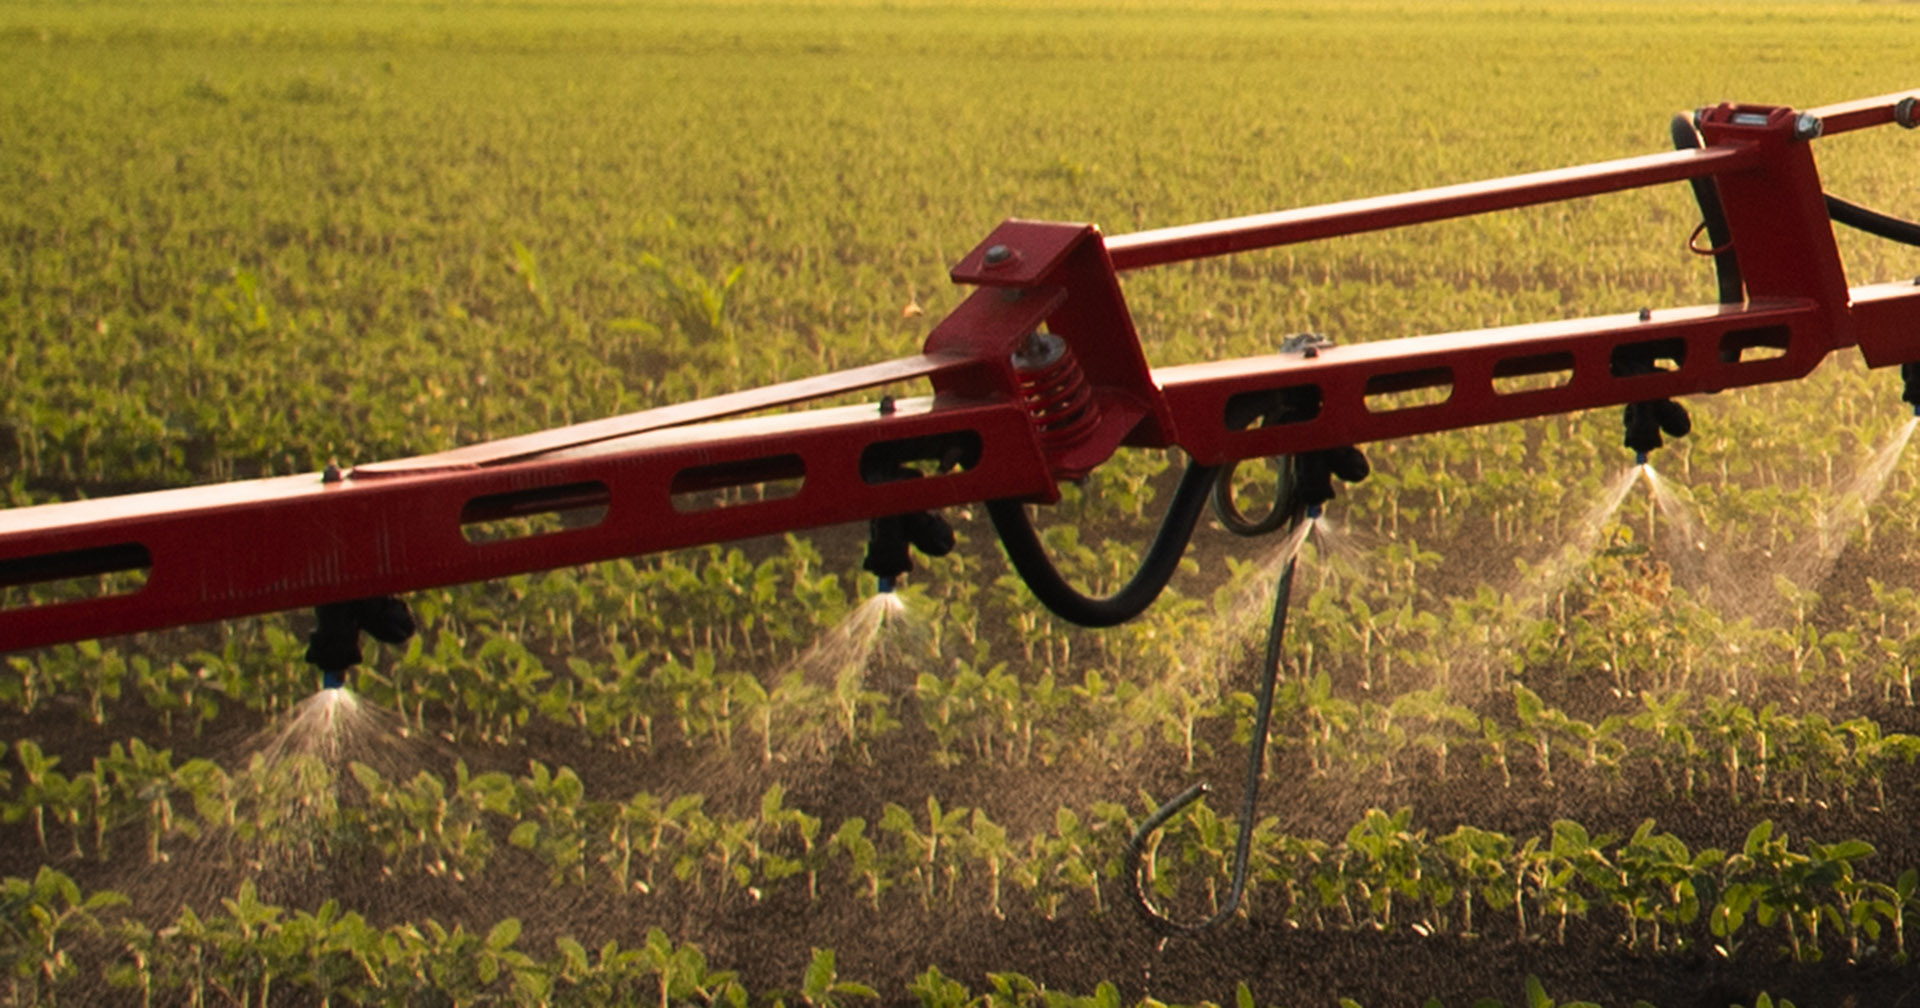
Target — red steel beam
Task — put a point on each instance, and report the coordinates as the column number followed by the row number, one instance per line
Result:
column 1900, row 107
column 255, row 546
column 676, row 415
column 1288, row 227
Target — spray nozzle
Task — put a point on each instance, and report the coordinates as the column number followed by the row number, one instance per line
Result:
column 334, row 645
column 1640, row 458
column 890, row 541
column 1314, row 473
column 1910, row 385
column 1646, row 421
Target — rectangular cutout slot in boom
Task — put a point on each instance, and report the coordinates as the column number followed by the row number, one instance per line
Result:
column 731, row 484
column 1647, row 357
column 1749, row 346
column 1539, row 372
column 930, row 455
column 521, row 514
column 80, row 575
column 1403, row 390
column 1273, row 407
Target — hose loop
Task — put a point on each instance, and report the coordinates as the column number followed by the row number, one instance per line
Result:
column 1236, row 521
column 1029, row 556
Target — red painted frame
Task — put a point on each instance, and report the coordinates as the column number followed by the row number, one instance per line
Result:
column 646, row 481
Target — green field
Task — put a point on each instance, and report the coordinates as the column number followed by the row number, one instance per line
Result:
column 247, row 238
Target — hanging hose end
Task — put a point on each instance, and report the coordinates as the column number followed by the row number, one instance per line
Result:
column 1910, row 385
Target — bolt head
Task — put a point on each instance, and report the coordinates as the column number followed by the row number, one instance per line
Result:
column 1807, row 126
column 997, row 254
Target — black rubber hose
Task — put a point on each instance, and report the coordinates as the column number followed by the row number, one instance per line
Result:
column 1236, row 521
column 1726, row 264
column 1029, row 556
column 1249, row 797
column 1873, row 222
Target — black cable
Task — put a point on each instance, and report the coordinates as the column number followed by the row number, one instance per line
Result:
column 1249, row 801
column 1726, row 265
column 1873, row 222
column 1029, row 556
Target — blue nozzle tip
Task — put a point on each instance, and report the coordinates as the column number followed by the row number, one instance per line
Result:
column 1313, row 511
column 1639, row 458
column 886, row 585
column 333, row 680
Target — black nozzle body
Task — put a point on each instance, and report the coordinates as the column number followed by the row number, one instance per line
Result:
column 891, row 540
column 1646, row 421
column 334, row 645
column 1315, row 471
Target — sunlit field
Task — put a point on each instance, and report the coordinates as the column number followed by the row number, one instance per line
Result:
column 1549, row 727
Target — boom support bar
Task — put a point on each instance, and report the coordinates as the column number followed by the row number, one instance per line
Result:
column 1289, row 227
column 1037, row 377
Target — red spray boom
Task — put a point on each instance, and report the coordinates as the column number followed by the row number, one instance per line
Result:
column 1037, row 377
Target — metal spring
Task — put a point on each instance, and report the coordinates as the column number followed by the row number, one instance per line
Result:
column 1055, row 391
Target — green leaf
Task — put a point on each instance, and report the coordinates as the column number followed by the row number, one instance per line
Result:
column 820, row 974
column 574, row 953
column 504, row 934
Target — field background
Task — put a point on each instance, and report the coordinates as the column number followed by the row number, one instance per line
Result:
column 250, row 238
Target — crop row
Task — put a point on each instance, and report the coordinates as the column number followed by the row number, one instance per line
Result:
column 1764, row 754
column 1381, row 875
column 250, row 951
column 992, row 715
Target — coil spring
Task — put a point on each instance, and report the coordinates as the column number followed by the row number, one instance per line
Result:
column 1055, row 391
